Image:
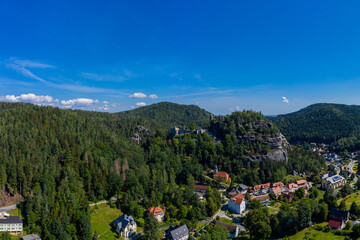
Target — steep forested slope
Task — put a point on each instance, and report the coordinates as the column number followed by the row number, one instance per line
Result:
column 320, row 123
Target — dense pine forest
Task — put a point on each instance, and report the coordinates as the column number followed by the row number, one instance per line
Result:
column 335, row 124
column 60, row 160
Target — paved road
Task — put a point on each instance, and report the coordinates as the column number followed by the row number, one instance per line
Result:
column 93, row 204
column 8, row 208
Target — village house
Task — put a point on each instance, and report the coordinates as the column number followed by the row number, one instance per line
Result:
column 233, row 230
column 264, row 200
column 332, row 182
column 234, row 190
column 237, row 203
column 158, row 213
column 301, row 182
column 125, row 225
column 291, row 187
column 276, row 191
column 277, row 184
column 222, row 176
column 12, row 224
column 180, row 233
column 201, row 188
column 338, row 218
column 31, row 237
column 262, row 188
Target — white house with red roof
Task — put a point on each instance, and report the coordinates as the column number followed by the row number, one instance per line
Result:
column 158, row 213
column 237, row 204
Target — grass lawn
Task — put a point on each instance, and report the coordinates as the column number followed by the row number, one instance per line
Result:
column 275, row 208
column 226, row 220
column 101, row 219
column 321, row 195
column 291, row 179
column 354, row 197
column 318, row 235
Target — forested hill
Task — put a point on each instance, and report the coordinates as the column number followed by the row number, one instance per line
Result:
column 167, row 115
column 323, row 122
column 59, row 160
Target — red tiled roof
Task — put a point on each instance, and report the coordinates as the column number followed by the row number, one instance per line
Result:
column 265, row 185
column 301, row 182
column 278, row 184
column 261, row 198
column 201, row 187
column 257, row 187
column 276, row 190
column 334, row 223
column 237, row 199
column 292, row 185
column 156, row 211
column 221, row 174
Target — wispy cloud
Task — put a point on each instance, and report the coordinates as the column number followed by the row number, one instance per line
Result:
column 207, row 93
column 104, row 77
column 30, row 64
column 27, row 73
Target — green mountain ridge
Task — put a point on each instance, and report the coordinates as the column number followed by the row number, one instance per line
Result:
column 167, row 114
column 321, row 123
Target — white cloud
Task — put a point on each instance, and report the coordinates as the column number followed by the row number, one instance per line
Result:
column 11, row 98
column 78, row 102
column 138, row 95
column 30, row 97
column 140, row 104
column 237, row 108
column 105, row 102
column 285, row 100
column 153, row 96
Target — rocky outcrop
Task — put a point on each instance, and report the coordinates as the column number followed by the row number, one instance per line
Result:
column 278, row 152
column 140, row 133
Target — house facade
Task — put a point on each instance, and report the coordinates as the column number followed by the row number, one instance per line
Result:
column 12, row 224
column 158, row 213
column 264, row 200
column 332, row 182
column 237, row 204
column 125, row 225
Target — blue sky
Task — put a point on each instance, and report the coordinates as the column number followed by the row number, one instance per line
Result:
column 269, row 56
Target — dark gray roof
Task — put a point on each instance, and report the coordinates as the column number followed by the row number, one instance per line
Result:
column 31, row 237
column 11, row 219
column 124, row 220
column 229, row 227
column 179, row 232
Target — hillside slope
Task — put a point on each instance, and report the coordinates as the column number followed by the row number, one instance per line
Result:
column 321, row 122
column 166, row 114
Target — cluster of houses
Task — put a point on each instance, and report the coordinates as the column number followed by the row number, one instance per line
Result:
column 237, row 203
column 125, row 225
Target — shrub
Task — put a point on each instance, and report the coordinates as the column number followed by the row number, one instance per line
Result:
column 318, row 227
column 326, row 229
